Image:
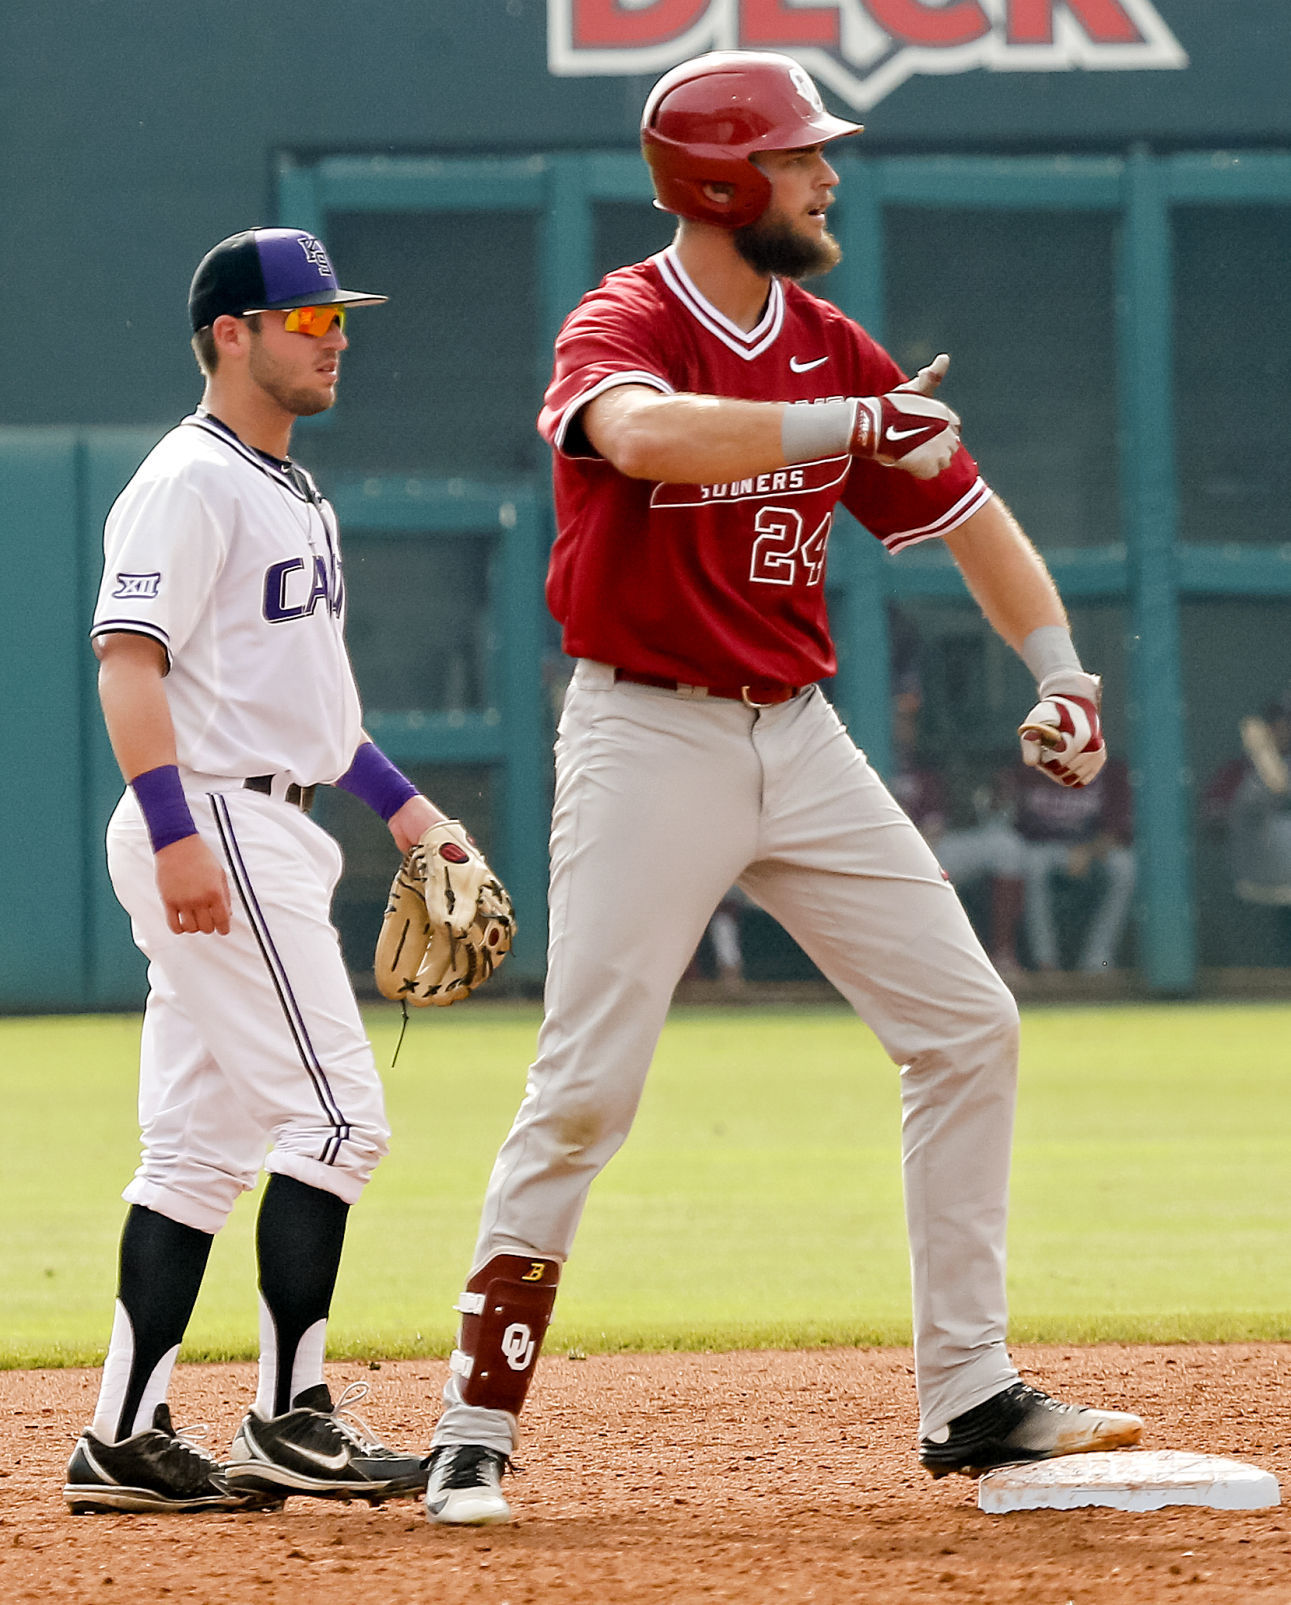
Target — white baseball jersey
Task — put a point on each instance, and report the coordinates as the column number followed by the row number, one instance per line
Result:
column 231, row 560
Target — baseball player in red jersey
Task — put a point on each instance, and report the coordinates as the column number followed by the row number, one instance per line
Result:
column 706, row 416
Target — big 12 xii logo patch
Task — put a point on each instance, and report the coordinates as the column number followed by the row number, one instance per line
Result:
column 863, row 49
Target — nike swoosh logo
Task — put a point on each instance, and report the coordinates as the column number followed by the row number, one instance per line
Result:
column 806, row 367
column 904, row 434
column 333, row 1462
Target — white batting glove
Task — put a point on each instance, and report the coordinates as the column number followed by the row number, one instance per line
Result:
column 1063, row 734
column 908, row 428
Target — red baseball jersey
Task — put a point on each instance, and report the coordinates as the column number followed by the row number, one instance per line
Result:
column 718, row 584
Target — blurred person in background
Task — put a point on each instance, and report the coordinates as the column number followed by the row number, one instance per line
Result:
column 1252, row 795
column 723, row 937
column 989, row 851
column 1075, row 833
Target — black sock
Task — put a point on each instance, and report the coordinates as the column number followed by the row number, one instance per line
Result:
column 162, row 1264
column 299, row 1236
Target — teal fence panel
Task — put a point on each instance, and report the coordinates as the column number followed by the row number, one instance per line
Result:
column 117, row 973
column 1162, row 820
column 1146, row 571
column 44, row 958
column 57, row 484
column 510, row 733
column 64, row 941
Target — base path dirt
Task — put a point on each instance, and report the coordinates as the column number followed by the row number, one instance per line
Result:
column 683, row 1478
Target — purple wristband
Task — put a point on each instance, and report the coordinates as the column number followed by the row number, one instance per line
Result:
column 163, row 806
column 373, row 779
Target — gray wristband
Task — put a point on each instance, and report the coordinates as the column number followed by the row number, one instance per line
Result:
column 815, row 429
column 1049, row 650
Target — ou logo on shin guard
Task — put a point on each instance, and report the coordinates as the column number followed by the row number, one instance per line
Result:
column 518, row 1346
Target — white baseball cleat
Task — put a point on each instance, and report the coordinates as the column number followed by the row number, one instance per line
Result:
column 464, row 1489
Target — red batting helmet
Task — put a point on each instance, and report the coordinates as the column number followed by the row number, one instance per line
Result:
column 706, row 118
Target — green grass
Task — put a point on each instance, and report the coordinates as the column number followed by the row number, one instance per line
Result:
column 757, row 1202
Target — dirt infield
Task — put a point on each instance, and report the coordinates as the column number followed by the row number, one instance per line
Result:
column 687, row 1478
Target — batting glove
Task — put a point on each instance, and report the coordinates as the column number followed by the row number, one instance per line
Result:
column 908, row 428
column 1063, row 734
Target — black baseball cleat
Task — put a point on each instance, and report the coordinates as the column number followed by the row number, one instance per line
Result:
column 321, row 1449
column 1019, row 1424
column 155, row 1471
column 464, row 1488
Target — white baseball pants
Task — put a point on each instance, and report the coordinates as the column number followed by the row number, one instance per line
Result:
column 251, row 1041
column 662, row 801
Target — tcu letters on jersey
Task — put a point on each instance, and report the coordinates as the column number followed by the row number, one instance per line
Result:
column 263, row 606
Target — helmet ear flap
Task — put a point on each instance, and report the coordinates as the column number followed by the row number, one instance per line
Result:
column 683, row 179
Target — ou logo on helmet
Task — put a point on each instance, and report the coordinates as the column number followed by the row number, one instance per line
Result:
column 806, row 88
column 863, row 49
column 518, row 1346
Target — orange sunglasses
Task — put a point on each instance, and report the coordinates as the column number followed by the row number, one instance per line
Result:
column 314, row 320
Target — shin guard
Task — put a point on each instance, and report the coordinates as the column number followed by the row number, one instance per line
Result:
column 505, row 1312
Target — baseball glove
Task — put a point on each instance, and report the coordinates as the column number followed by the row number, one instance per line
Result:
column 448, row 924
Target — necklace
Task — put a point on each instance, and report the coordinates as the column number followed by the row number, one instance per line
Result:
column 298, row 484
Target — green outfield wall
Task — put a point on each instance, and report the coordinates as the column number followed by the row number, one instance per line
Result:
column 1094, row 220
column 1106, row 393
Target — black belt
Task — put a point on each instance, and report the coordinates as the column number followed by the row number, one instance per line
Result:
column 764, row 694
column 301, row 797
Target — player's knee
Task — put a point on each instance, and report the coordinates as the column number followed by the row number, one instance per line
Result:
column 585, row 1129
column 196, row 1195
column 990, row 1025
column 1000, row 1017
column 338, row 1158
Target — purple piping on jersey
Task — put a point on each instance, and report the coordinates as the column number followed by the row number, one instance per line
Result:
column 277, row 970
column 221, row 431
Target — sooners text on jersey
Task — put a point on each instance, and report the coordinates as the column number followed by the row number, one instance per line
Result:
column 722, row 583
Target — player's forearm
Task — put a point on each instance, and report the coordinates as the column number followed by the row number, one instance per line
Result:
column 137, row 715
column 192, row 886
column 692, row 439
column 1005, row 573
column 687, row 439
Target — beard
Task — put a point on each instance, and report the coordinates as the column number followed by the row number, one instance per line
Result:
column 275, row 380
column 773, row 245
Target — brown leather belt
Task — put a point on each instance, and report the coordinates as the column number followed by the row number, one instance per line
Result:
column 760, row 694
column 301, row 797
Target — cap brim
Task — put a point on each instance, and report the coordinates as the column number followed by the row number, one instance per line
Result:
column 326, row 298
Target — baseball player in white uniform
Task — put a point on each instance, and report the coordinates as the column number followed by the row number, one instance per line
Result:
column 706, row 414
column 228, row 697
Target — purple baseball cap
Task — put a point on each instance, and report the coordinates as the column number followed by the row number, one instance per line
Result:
column 265, row 270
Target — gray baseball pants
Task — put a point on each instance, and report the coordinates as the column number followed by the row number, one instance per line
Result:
column 663, row 800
